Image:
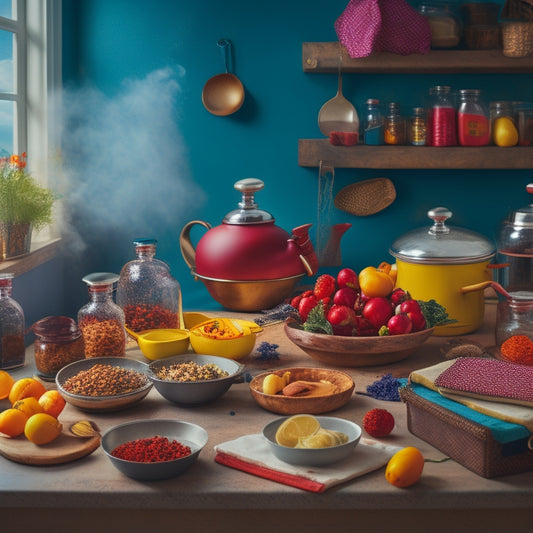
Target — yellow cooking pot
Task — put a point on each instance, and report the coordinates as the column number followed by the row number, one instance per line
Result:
column 438, row 263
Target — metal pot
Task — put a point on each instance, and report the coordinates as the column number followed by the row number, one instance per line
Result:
column 438, row 263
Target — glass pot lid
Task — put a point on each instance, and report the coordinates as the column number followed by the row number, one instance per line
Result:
column 516, row 232
column 442, row 244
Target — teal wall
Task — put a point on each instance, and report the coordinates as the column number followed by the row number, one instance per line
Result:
column 134, row 176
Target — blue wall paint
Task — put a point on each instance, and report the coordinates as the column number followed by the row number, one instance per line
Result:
column 108, row 42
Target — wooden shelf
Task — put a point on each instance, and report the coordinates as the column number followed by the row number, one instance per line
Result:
column 312, row 151
column 40, row 253
column 324, row 57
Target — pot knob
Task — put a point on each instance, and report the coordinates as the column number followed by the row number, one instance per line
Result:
column 439, row 215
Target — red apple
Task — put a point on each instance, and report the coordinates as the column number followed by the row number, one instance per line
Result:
column 418, row 320
column 378, row 310
column 347, row 278
column 342, row 319
column 399, row 324
column 398, row 296
column 409, row 306
column 345, row 296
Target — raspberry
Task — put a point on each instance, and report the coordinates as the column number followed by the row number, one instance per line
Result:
column 378, row 422
column 324, row 286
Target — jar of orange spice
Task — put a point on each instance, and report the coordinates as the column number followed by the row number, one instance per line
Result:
column 58, row 343
column 102, row 321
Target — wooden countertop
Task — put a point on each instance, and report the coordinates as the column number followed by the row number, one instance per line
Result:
column 88, row 493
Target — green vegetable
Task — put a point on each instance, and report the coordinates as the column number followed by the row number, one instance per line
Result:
column 317, row 322
column 434, row 313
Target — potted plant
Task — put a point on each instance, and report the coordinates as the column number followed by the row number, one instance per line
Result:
column 24, row 205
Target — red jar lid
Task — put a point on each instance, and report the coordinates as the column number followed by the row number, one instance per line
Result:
column 57, row 329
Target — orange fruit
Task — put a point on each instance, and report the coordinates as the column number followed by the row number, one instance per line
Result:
column 29, row 406
column 405, row 467
column 6, row 382
column 52, row 403
column 375, row 282
column 24, row 387
column 42, row 428
column 12, row 422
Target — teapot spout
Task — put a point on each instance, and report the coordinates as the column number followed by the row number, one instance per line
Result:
column 331, row 254
column 307, row 251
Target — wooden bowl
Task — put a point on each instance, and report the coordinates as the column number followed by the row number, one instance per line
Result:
column 355, row 351
column 292, row 405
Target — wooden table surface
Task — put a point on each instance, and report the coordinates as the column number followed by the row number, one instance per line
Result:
column 90, row 493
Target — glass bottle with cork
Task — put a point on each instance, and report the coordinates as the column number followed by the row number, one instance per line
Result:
column 147, row 292
column 12, row 347
column 101, row 321
column 417, row 127
column 395, row 126
column 373, row 123
column 473, row 124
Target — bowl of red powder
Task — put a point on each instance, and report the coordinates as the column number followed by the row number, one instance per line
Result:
column 151, row 450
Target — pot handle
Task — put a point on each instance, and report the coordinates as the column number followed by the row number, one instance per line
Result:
column 483, row 285
column 187, row 249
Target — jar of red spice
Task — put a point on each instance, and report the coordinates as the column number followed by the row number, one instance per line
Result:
column 441, row 120
column 12, row 347
column 473, row 121
column 147, row 292
column 59, row 342
column 514, row 316
column 101, row 321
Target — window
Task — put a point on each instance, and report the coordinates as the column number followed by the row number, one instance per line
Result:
column 30, row 81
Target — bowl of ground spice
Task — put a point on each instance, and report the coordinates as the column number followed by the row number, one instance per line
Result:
column 104, row 384
column 151, row 450
column 193, row 379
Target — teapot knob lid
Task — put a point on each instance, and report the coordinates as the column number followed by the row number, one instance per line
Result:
column 248, row 213
column 439, row 215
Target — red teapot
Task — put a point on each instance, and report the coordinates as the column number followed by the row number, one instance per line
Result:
column 248, row 263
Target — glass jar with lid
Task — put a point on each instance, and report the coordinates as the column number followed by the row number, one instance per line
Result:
column 445, row 23
column 147, row 292
column 441, row 117
column 58, row 343
column 417, row 127
column 395, row 125
column 473, row 124
column 101, row 321
column 514, row 316
column 373, row 123
column 12, row 347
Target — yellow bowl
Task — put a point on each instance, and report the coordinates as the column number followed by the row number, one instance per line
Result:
column 231, row 348
column 193, row 318
column 160, row 343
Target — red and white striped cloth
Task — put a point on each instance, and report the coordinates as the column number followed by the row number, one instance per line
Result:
column 368, row 26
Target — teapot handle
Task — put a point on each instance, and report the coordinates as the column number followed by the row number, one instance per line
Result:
column 187, row 249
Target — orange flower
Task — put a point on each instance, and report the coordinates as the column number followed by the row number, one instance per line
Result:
column 18, row 161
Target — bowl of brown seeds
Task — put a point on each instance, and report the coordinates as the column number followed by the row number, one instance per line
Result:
column 194, row 379
column 103, row 384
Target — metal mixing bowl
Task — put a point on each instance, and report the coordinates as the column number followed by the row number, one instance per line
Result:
column 249, row 295
column 184, row 432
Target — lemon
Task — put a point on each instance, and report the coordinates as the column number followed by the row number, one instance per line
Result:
column 42, row 428
column 324, row 438
column 295, row 427
column 504, row 132
column 405, row 467
column 273, row 383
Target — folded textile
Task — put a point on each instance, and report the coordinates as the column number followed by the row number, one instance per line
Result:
column 515, row 414
column 503, row 431
column 488, row 379
column 252, row 454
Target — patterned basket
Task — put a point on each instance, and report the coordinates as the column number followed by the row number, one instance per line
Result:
column 517, row 38
column 519, row 10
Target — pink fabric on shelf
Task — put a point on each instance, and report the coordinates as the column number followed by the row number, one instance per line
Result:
column 368, row 26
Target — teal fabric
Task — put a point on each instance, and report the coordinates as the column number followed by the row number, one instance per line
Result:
column 502, row 431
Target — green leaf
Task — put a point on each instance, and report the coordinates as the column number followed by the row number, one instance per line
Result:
column 316, row 321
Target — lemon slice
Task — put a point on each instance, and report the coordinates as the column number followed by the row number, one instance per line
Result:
column 324, row 438
column 295, row 427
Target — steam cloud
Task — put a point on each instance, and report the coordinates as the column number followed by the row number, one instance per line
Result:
column 124, row 160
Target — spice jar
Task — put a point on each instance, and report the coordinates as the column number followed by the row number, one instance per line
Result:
column 514, row 316
column 59, row 342
column 417, row 127
column 395, row 126
column 12, row 347
column 472, row 119
column 146, row 291
column 373, row 123
column 441, row 120
column 101, row 321
column 444, row 22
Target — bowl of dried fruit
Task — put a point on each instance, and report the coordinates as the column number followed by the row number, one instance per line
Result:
column 193, row 378
column 151, row 450
column 312, row 441
column 290, row 391
column 103, row 383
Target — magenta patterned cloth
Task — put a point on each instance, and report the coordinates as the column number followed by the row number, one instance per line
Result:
column 368, row 26
column 489, row 379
